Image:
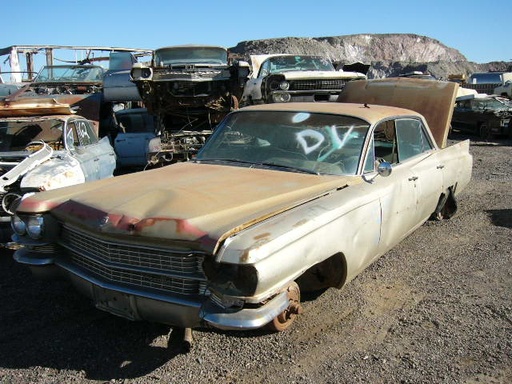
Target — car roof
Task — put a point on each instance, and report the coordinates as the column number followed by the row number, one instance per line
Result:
column 371, row 113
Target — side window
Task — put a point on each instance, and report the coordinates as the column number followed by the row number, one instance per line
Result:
column 71, row 136
column 412, row 138
column 384, row 146
column 85, row 133
column 384, row 139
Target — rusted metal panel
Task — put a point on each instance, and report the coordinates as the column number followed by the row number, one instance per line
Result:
column 33, row 107
column 433, row 99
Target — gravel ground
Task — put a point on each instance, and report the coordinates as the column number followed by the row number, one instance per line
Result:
column 436, row 309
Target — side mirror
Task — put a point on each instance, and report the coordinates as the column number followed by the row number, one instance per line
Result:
column 384, row 169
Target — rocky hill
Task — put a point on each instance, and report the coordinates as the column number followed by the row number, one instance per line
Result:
column 387, row 54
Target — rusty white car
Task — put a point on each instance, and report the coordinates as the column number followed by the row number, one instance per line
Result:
column 40, row 153
column 283, row 198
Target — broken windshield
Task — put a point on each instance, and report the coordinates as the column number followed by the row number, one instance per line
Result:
column 297, row 63
column 190, row 55
column 319, row 143
column 67, row 73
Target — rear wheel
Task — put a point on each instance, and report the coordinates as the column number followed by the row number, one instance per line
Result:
column 483, row 131
column 446, row 206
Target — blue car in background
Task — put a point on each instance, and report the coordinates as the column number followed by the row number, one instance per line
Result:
column 135, row 136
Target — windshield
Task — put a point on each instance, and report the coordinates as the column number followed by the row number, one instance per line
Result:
column 290, row 141
column 296, row 63
column 73, row 73
column 191, row 55
column 497, row 103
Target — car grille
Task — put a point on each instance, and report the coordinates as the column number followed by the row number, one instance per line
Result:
column 304, row 85
column 172, row 271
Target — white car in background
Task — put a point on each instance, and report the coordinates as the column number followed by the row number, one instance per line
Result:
column 282, row 78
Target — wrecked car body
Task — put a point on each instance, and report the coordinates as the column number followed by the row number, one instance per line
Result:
column 79, row 86
column 41, row 153
column 92, row 82
column 283, row 78
column 189, row 89
column 483, row 115
column 283, row 198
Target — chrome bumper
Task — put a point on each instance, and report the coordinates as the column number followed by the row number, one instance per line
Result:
column 139, row 304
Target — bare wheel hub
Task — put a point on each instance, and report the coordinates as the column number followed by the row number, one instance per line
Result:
column 283, row 321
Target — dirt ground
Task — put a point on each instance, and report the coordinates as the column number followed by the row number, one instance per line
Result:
column 436, row 309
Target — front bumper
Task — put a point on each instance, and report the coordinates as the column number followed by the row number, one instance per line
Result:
column 142, row 304
column 301, row 96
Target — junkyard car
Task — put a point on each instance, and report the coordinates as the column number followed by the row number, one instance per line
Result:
column 487, row 82
column 79, row 86
column 288, row 78
column 282, row 198
column 483, row 115
column 189, row 89
column 40, row 153
column 505, row 89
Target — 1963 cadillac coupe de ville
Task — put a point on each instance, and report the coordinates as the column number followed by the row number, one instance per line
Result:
column 282, row 198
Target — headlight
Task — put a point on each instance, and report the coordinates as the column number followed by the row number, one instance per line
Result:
column 139, row 72
column 155, row 145
column 284, row 85
column 281, row 97
column 231, row 279
column 35, row 227
column 18, row 225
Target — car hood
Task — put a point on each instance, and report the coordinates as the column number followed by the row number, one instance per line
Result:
column 433, row 99
column 184, row 202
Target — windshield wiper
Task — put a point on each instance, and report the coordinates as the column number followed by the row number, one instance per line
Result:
column 290, row 168
column 221, row 160
column 260, row 164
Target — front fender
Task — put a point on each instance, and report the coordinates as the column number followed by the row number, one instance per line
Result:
column 57, row 172
column 283, row 247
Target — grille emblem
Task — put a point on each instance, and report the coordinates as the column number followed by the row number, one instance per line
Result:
column 104, row 221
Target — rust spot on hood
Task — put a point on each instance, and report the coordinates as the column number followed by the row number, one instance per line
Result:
column 182, row 226
column 97, row 218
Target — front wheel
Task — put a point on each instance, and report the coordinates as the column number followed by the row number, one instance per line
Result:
column 285, row 319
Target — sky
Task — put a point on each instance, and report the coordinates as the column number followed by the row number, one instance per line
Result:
column 480, row 30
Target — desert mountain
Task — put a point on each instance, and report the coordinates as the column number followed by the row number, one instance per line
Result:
column 387, row 54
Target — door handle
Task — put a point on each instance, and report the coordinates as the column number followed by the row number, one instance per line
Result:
column 440, row 166
column 413, row 178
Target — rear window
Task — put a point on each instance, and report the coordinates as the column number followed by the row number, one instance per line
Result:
column 485, row 78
